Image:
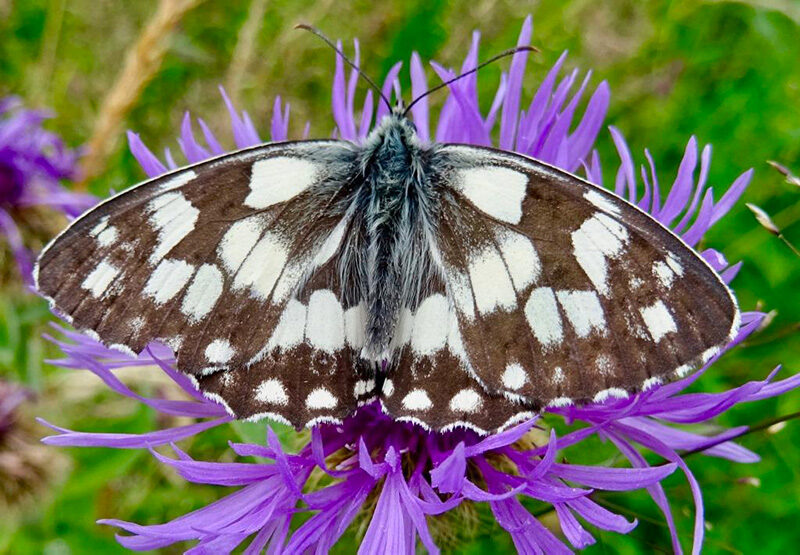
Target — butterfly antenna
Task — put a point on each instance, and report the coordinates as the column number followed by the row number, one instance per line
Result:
column 470, row 72
column 336, row 49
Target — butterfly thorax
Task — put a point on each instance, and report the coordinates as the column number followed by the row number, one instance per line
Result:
column 398, row 201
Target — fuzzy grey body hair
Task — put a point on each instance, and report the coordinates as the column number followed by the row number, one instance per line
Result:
column 391, row 208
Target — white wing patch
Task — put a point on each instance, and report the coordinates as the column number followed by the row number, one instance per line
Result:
column 168, row 279
column 272, row 392
column 325, row 324
column 491, row 283
column 203, row 293
column 543, row 317
column 290, row 329
column 599, row 237
column 239, row 240
column 219, row 351
column 355, row 323
column 101, row 277
column 174, row 218
column 514, row 376
column 321, row 398
column 466, row 400
column 658, row 320
column 417, row 399
column 599, row 200
column 430, row 332
column 495, row 190
column 177, row 181
column 583, row 311
column 276, row 180
column 521, row 258
column 263, row 266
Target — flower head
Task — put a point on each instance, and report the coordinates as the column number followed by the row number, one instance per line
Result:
column 33, row 161
column 400, row 476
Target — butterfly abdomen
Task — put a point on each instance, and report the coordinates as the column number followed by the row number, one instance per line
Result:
column 396, row 215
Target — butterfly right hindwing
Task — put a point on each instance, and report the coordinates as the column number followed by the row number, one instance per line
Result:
column 430, row 381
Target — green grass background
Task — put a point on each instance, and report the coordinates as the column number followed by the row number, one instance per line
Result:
column 726, row 71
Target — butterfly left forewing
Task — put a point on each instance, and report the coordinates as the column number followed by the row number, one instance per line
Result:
column 204, row 258
column 564, row 291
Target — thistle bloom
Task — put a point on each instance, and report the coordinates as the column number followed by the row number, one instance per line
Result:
column 401, row 474
column 32, row 163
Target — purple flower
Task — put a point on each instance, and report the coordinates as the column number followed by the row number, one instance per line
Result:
column 407, row 475
column 32, row 163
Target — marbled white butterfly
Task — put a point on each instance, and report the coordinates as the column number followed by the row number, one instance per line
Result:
column 458, row 285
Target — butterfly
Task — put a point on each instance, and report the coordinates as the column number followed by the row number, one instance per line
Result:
column 456, row 285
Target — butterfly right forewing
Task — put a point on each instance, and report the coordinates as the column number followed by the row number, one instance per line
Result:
column 564, row 291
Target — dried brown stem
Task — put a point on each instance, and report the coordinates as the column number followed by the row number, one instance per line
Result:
column 243, row 52
column 141, row 65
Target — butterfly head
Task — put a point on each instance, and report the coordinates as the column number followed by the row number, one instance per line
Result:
column 395, row 134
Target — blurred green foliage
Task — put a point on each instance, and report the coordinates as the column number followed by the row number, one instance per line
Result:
column 725, row 71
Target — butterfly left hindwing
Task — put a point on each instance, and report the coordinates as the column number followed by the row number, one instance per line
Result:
column 309, row 370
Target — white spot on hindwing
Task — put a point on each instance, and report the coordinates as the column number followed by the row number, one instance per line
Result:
column 325, row 322
column 278, row 179
column 321, row 398
column 290, row 329
column 100, row 278
column 514, row 376
column 467, row 400
column 496, row 190
column 355, row 324
column 416, row 399
column 430, row 325
column 168, row 279
column 461, row 292
column 219, row 351
column 272, row 392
